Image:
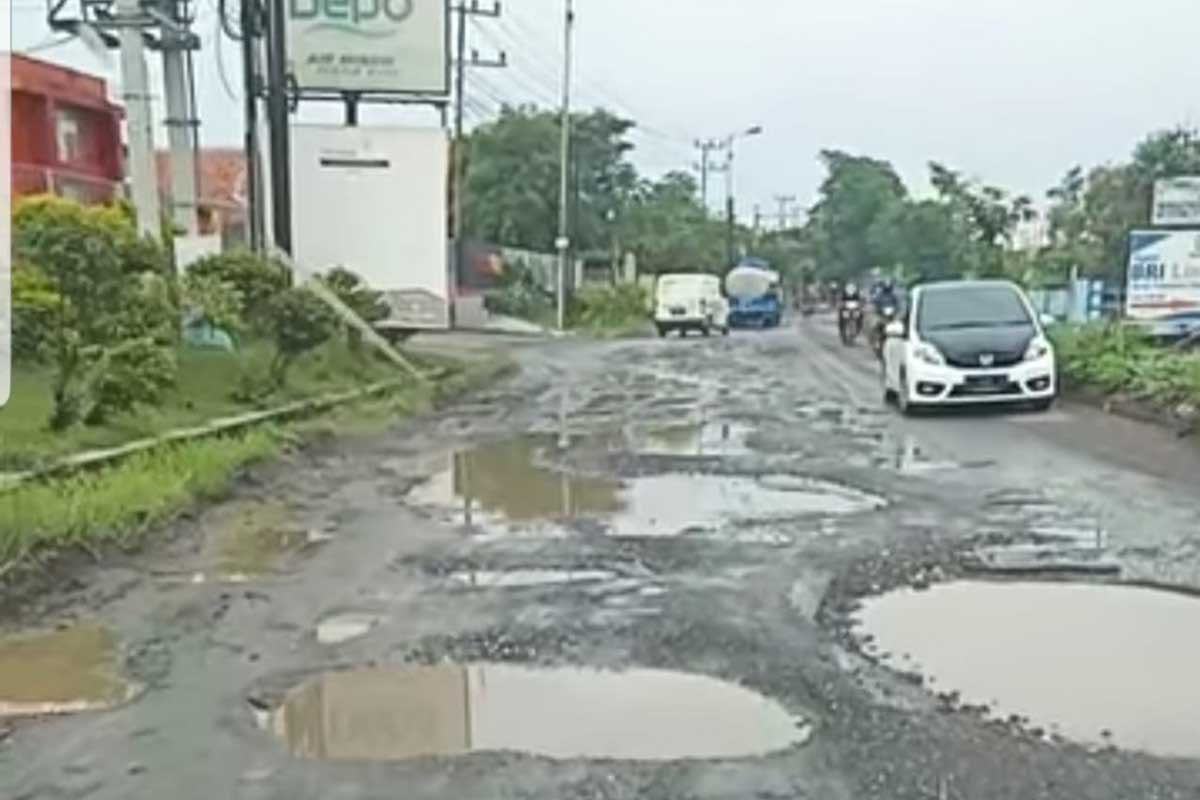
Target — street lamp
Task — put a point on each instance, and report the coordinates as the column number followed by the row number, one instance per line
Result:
column 730, row 219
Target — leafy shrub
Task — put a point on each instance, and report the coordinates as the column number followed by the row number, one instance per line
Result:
column 97, row 287
column 208, row 300
column 360, row 298
column 1118, row 359
column 300, row 322
column 610, row 308
column 520, row 295
column 35, row 301
column 256, row 281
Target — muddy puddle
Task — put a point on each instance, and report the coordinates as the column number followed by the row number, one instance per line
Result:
column 60, row 672
column 1099, row 664
column 500, row 487
column 643, row 715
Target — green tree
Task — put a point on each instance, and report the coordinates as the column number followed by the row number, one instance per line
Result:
column 667, row 228
column 512, row 182
column 255, row 280
column 857, row 192
column 113, row 316
column 300, row 323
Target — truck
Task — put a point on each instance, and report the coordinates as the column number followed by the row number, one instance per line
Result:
column 755, row 293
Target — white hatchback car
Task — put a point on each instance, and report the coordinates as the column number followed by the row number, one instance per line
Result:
column 964, row 342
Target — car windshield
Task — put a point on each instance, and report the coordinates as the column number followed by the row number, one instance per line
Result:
column 971, row 307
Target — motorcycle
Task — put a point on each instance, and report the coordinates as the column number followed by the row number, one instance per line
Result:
column 878, row 334
column 850, row 322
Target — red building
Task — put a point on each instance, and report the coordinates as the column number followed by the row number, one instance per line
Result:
column 66, row 134
column 221, row 176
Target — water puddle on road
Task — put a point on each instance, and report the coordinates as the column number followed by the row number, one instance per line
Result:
column 250, row 539
column 500, row 488
column 453, row 710
column 526, row 578
column 342, row 628
column 700, row 440
column 61, row 672
column 1096, row 663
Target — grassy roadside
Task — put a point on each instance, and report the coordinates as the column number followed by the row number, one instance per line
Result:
column 207, row 384
column 118, row 505
column 1122, row 365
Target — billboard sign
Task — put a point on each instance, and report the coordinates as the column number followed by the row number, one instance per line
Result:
column 1164, row 278
column 1177, row 202
column 396, row 46
column 374, row 200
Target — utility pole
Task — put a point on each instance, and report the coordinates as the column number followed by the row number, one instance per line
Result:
column 251, row 18
column 785, row 202
column 135, row 92
column 707, row 148
column 182, row 127
column 277, row 116
column 563, row 243
column 462, row 12
column 730, row 215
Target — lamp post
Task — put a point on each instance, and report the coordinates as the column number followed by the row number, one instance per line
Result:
column 730, row 216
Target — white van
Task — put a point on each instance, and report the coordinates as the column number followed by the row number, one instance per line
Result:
column 690, row 302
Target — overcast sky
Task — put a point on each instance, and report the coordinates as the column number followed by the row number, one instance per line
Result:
column 1012, row 91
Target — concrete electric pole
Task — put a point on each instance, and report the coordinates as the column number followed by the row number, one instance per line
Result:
column 563, row 243
column 182, row 126
column 139, row 118
column 462, row 63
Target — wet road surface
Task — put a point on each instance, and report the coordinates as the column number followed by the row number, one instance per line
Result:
column 661, row 569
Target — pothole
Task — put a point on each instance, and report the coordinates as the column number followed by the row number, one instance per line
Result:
column 342, row 628
column 526, row 578
column 1096, row 663
column 455, row 710
column 500, row 487
column 62, row 672
column 698, row 440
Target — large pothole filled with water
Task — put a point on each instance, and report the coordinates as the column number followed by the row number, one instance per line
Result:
column 60, row 672
column 502, row 488
column 1099, row 664
column 454, row 710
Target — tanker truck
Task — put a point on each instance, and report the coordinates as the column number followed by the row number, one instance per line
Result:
column 755, row 293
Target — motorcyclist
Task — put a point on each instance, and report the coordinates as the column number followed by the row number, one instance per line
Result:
column 884, row 297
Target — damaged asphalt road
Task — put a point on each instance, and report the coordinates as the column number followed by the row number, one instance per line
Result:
column 653, row 569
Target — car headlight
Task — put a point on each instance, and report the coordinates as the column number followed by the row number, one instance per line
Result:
column 929, row 354
column 1038, row 348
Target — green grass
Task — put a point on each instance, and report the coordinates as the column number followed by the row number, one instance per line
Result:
column 123, row 501
column 116, row 504
column 1120, row 361
column 205, row 390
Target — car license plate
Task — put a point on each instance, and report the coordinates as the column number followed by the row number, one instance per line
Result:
column 985, row 382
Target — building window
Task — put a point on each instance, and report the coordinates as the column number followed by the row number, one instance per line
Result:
column 67, row 132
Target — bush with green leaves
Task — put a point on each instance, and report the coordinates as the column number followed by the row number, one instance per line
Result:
column 103, row 301
column 610, row 308
column 35, row 302
column 1123, row 360
column 255, row 280
column 351, row 289
column 519, row 295
column 300, row 323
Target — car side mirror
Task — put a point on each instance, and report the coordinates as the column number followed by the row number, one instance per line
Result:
column 895, row 330
column 1047, row 320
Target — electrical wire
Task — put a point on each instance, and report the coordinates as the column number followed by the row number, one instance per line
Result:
column 221, row 73
column 48, row 44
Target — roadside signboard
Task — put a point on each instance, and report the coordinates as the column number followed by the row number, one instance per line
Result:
column 397, row 46
column 374, row 201
column 1164, row 279
column 1177, row 202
